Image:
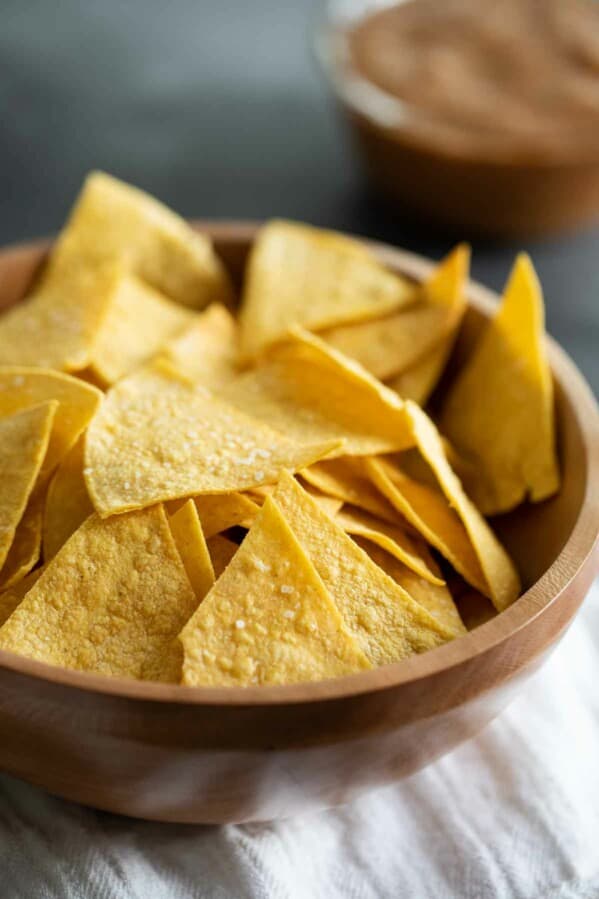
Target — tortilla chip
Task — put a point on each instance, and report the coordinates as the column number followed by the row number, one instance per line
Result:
column 329, row 504
column 221, row 551
column 111, row 601
column 113, row 220
column 499, row 412
column 12, row 596
column 394, row 343
column 138, row 322
column 191, row 543
column 159, row 437
column 225, row 510
column 435, row 598
column 418, row 382
column 78, row 402
column 206, row 350
column 24, row 439
column 390, row 537
column 269, row 618
column 25, row 549
column 67, row 503
column 59, row 325
column 307, row 391
column 503, row 583
column 302, row 275
column 387, row 623
column 347, row 479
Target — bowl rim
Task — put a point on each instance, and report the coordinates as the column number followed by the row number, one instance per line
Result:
column 574, row 556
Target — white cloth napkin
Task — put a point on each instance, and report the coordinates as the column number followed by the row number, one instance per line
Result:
column 514, row 813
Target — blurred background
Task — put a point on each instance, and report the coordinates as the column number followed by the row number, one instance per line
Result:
column 220, row 109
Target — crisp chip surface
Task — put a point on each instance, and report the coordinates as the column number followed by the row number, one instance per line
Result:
column 394, row 343
column 225, row 510
column 12, row 596
column 24, row 439
column 77, row 402
column 302, row 275
column 392, row 538
column 435, row 598
column 67, row 501
column 158, row 437
column 306, row 390
column 25, row 549
column 499, row 412
column 111, row 601
column 269, row 618
column 113, row 220
column 388, row 624
column 347, row 479
column 207, row 349
column 138, row 322
column 191, row 543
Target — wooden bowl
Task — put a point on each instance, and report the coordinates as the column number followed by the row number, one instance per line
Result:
column 198, row 754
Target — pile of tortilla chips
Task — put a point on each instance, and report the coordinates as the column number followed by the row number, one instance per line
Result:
column 195, row 498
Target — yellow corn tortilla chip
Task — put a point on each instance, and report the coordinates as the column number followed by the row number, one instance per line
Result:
column 225, row 510
column 159, row 437
column 302, row 275
column 390, row 537
column 419, row 380
column 77, row 403
column 387, row 622
column 67, row 502
column 503, row 583
column 191, row 543
column 138, row 322
column 113, row 220
column 393, row 343
column 307, row 391
column 499, row 412
column 269, row 618
column 12, row 596
column 24, row 438
column 328, row 504
column 25, row 549
column 435, row 598
column 111, row 601
column 221, row 551
column 347, row 479
column 427, row 509
column 58, row 326
column 207, row 349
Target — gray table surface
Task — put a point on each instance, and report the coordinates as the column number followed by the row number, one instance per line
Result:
column 217, row 107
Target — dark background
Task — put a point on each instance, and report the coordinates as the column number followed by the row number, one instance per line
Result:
column 218, row 108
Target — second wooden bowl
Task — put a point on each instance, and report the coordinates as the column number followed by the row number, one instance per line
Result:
column 203, row 755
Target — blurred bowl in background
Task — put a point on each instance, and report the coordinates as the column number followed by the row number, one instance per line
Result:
column 504, row 179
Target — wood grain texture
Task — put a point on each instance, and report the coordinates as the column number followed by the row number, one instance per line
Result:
column 215, row 755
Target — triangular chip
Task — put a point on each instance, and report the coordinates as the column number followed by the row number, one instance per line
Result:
column 393, row 343
column 302, row 275
column 24, row 439
column 329, row 504
column 12, row 596
column 138, row 322
column 206, row 350
column 191, row 543
column 390, row 537
column 67, row 502
column 500, row 574
column 111, row 601
column 23, row 387
column 59, row 325
column 159, row 437
column 113, row 220
column 307, row 391
column 388, row 624
column 25, row 549
column 499, row 412
column 347, row 479
column 418, row 382
column 269, row 618
column 221, row 551
column 225, row 510
column 435, row 598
